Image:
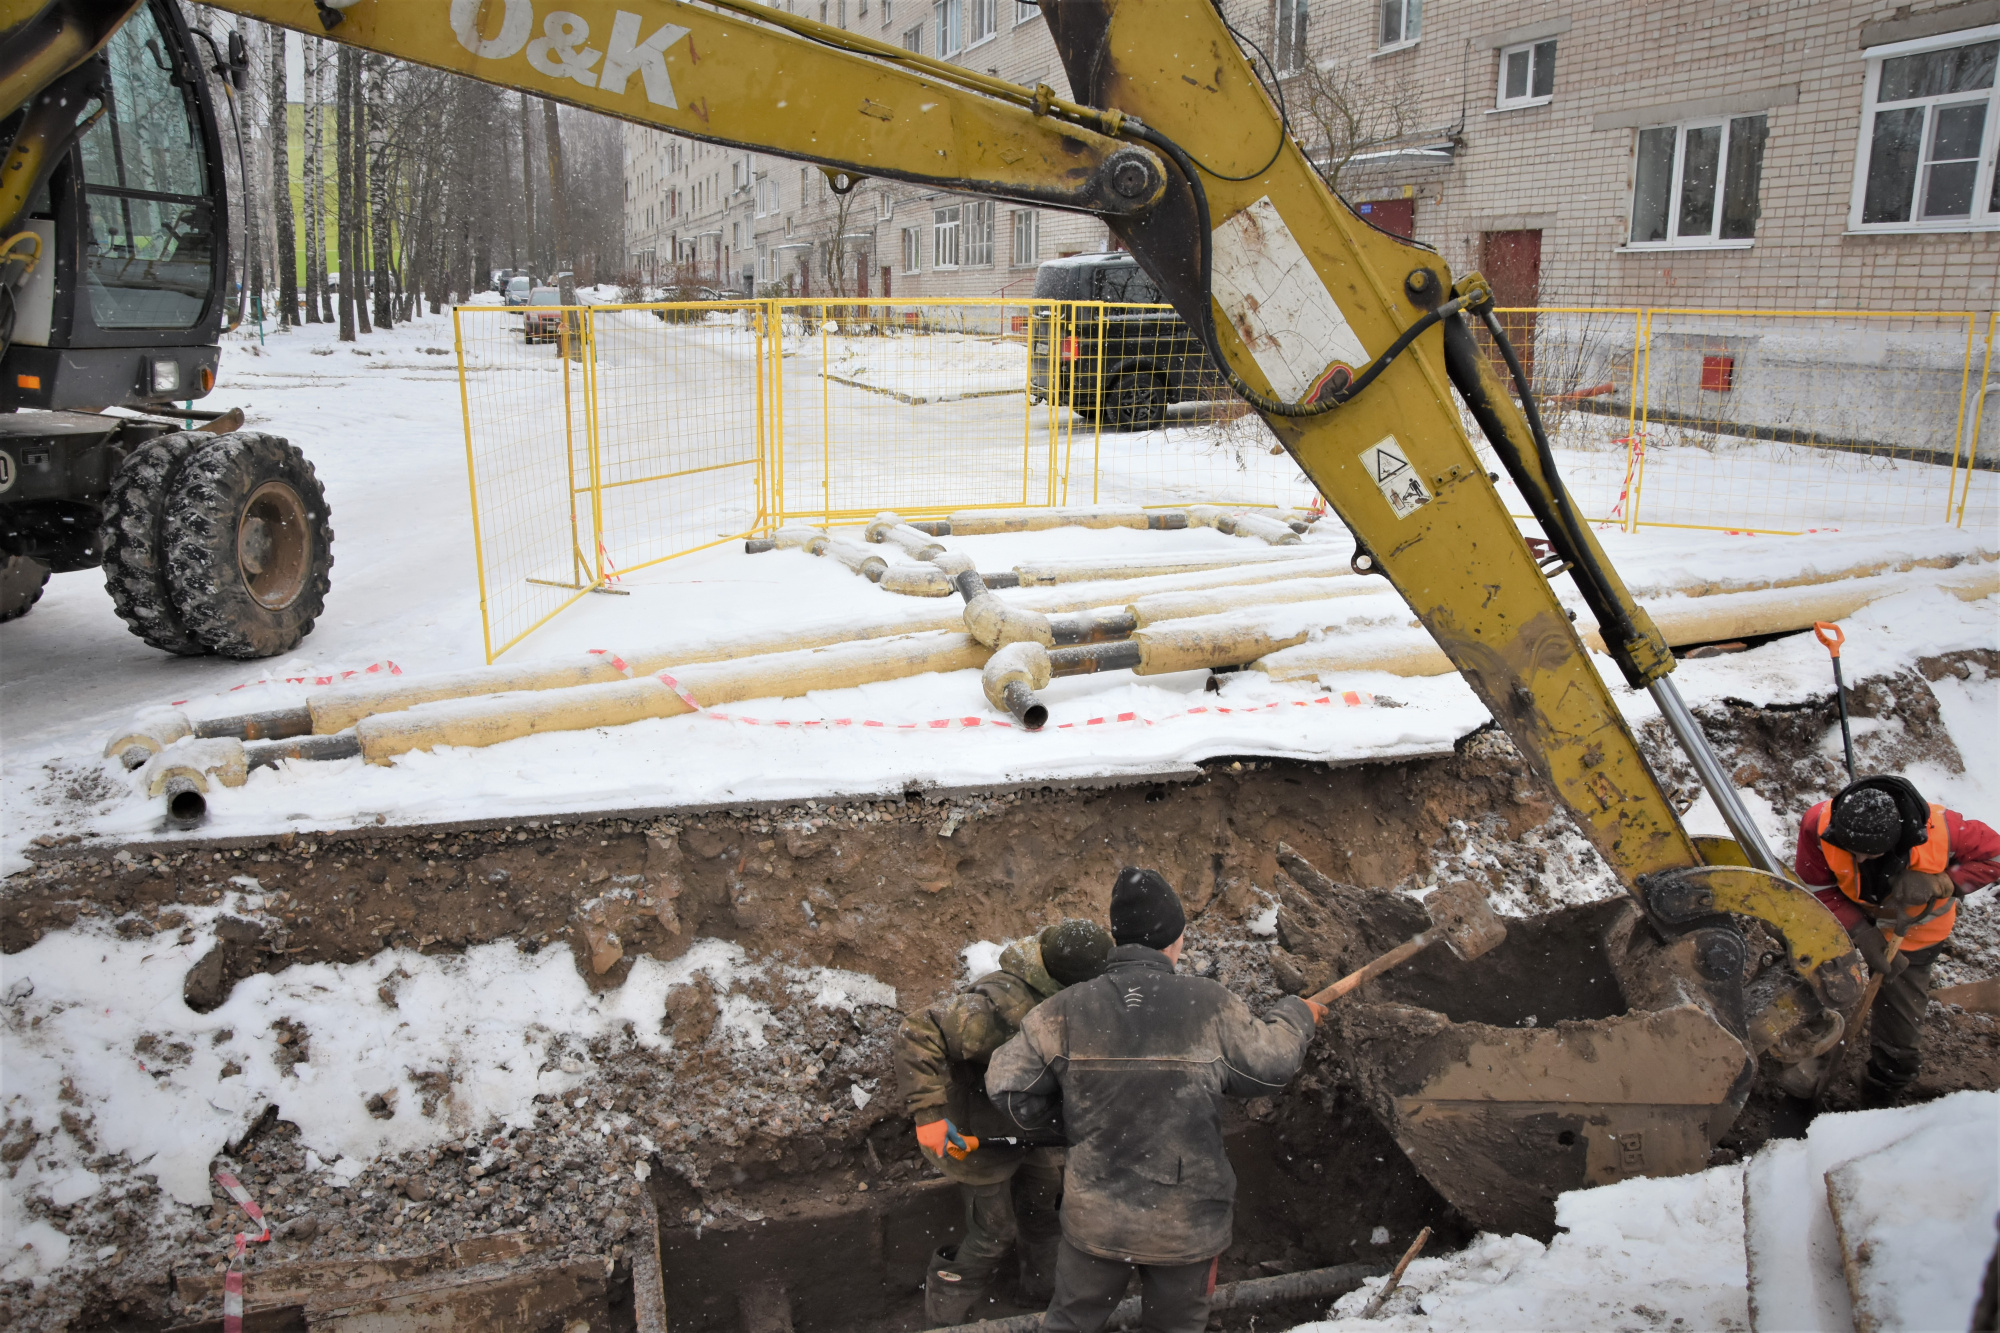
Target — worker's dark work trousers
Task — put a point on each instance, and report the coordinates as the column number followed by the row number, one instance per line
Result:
column 1895, row 1023
column 1087, row 1290
column 1021, row 1208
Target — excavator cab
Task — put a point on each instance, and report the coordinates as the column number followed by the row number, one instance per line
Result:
column 115, row 290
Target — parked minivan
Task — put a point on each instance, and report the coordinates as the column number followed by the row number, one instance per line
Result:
column 1121, row 367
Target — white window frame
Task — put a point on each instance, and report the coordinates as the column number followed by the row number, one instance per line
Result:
column 946, row 224
column 1290, row 32
column 948, row 17
column 913, row 39
column 885, row 206
column 913, row 249
column 982, row 22
column 1026, row 11
column 975, row 234
column 1502, row 102
column 1674, row 241
column 1412, row 25
column 1982, row 217
column 1025, row 240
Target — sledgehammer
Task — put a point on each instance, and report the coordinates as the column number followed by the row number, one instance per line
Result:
column 1460, row 916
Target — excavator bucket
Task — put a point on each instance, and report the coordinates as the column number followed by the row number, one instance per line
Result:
column 1560, row 1051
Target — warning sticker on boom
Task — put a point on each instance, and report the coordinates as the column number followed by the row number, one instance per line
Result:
column 1389, row 468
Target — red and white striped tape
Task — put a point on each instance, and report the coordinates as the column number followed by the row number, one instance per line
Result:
column 618, row 663
column 667, row 680
column 1347, row 699
column 373, row 669
column 232, row 1281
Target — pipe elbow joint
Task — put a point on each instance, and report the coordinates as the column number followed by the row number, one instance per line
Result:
column 878, row 530
column 1012, row 676
column 148, row 738
column 997, row 624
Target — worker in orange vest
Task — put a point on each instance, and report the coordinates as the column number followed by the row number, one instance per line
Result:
column 1886, row 862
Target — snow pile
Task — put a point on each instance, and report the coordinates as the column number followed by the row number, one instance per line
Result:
column 1917, row 1187
column 105, row 1064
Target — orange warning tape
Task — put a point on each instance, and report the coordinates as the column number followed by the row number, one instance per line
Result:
column 372, row 669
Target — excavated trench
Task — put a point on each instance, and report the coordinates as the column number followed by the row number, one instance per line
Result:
column 778, row 1176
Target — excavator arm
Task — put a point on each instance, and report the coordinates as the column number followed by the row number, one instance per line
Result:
column 1356, row 346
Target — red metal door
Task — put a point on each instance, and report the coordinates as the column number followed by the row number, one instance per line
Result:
column 1512, row 263
column 1397, row 216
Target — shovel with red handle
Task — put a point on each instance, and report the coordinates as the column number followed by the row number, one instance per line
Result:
column 1460, row 916
column 1831, row 636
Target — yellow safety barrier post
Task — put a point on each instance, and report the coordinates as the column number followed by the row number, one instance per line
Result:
column 686, row 424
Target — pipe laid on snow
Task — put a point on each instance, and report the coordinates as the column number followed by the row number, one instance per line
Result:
column 890, row 529
column 1157, row 607
column 858, row 558
column 1243, row 523
column 1045, row 573
column 1010, row 679
column 488, row 721
column 981, row 522
column 1711, row 619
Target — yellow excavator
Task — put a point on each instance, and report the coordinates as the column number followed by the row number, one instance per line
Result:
column 1356, row 346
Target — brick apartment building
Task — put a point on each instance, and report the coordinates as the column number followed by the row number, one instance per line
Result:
column 1796, row 154
column 746, row 221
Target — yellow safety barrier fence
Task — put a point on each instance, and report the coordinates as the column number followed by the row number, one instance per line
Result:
column 604, row 438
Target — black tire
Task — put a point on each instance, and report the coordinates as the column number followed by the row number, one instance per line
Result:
column 133, row 540
column 22, row 579
column 249, row 545
column 1135, row 400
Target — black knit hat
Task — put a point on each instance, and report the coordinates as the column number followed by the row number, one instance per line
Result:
column 1074, row 950
column 1865, row 821
column 1144, row 909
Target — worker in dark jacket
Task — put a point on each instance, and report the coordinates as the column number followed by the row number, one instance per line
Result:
column 1136, row 1064
column 1886, row 861
column 1011, row 1193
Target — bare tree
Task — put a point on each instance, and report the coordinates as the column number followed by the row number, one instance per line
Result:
column 314, row 147
column 375, row 150
column 527, row 190
column 280, row 131
column 343, row 139
column 833, row 252
column 1342, row 113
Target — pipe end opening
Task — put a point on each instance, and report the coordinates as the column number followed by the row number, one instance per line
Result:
column 187, row 808
column 1035, row 716
column 134, row 756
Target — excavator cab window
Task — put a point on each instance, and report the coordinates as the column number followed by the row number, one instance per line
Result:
column 150, row 248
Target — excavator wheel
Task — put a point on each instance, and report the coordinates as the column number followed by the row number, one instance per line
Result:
column 248, row 545
column 133, row 539
column 21, row 582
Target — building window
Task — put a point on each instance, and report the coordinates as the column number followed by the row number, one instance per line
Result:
column 885, row 206
column 1291, row 36
column 980, row 20
column 976, row 233
column 1402, row 21
column 945, row 15
column 1527, row 74
column 1927, row 125
column 1696, row 184
column 1027, row 238
column 913, row 249
column 888, row 11
column 913, row 38
column 945, row 224
column 1026, row 11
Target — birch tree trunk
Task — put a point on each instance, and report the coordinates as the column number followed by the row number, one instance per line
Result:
column 312, row 143
column 354, row 191
column 279, row 124
column 378, row 186
column 528, row 193
column 343, row 171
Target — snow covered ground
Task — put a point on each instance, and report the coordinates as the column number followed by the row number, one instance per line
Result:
column 381, row 420
column 1917, row 1188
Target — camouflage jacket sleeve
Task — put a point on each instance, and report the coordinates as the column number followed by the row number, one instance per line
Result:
column 966, row 1028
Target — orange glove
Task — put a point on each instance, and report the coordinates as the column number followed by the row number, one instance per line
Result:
column 941, row 1136
column 1319, row 1011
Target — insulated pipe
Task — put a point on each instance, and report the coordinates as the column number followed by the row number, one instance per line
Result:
column 1719, row 784
column 147, row 738
column 1243, row 524
column 887, row 528
column 980, row 522
column 1045, row 573
column 1153, row 609
column 187, row 803
column 269, row 754
column 1012, row 676
column 858, row 558
column 1317, row 1284
column 785, row 539
column 488, row 721
column 995, row 623
column 917, row 581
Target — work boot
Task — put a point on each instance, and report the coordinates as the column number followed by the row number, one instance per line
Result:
column 1038, row 1268
column 1875, row 1094
column 949, row 1294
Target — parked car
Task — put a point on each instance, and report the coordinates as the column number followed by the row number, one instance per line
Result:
column 517, row 290
column 1121, row 367
column 542, row 326
column 504, row 276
